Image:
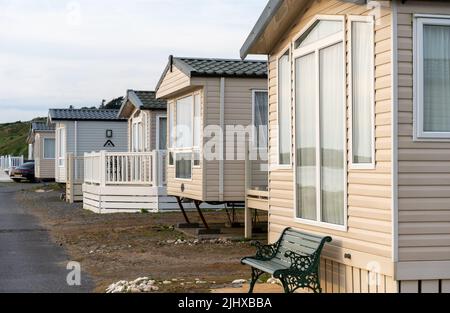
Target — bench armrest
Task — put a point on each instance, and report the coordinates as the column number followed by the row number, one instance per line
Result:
column 301, row 263
column 266, row 252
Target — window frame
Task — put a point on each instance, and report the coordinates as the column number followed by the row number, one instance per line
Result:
column 288, row 48
column 61, row 152
column 158, row 133
column 297, row 53
column 43, row 148
column 419, row 21
column 183, row 151
column 372, row 164
column 194, row 149
column 254, row 138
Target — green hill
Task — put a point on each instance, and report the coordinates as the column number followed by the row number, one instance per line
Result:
column 13, row 138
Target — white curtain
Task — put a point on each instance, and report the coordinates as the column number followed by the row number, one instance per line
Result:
column 261, row 117
column 49, row 148
column 331, row 134
column 284, row 110
column 197, row 121
column 183, row 166
column 184, row 122
column 362, row 83
column 436, row 46
column 306, row 95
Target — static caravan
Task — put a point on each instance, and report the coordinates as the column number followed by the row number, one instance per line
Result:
column 41, row 149
column 147, row 121
column 133, row 179
column 359, row 134
column 78, row 131
column 208, row 99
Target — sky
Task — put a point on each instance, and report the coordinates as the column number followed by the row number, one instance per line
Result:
column 56, row 53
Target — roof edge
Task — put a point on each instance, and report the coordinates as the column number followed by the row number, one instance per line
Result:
column 264, row 20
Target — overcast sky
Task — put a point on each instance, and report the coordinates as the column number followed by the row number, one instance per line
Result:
column 56, row 53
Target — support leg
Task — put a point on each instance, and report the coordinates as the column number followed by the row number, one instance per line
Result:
column 255, row 275
column 180, row 204
column 197, row 205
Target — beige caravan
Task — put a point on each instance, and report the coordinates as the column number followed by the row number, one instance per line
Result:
column 207, row 98
column 41, row 149
column 359, row 134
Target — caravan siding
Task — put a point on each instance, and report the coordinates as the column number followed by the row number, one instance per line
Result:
column 369, row 235
column 92, row 137
column 45, row 168
column 174, row 80
column 423, row 171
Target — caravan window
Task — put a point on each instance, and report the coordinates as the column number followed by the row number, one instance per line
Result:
column 432, row 78
column 49, row 148
column 320, row 127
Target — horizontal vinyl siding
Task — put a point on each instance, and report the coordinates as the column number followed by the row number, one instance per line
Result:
column 369, row 235
column 46, row 168
column 172, row 82
column 424, row 167
column 92, row 137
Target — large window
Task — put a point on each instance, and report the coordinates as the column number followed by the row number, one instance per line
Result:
column 284, row 109
column 260, row 119
column 362, row 93
column 320, row 124
column 188, row 135
column 49, row 148
column 432, row 77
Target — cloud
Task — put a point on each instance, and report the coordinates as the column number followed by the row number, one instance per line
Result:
column 57, row 53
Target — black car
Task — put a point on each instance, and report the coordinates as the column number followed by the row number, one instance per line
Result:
column 23, row 172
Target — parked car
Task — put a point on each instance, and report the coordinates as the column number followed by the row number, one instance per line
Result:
column 23, row 172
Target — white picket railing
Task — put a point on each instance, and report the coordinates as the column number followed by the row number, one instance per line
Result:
column 125, row 168
column 7, row 161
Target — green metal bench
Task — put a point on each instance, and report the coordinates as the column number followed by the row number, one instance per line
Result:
column 294, row 259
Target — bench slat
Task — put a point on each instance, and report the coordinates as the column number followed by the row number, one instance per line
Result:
column 304, row 242
column 298, row 248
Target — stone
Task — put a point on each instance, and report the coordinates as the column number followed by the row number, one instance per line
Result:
column 239, row 281
column 198, row 282
column 167, row 282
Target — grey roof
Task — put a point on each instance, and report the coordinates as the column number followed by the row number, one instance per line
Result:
column 148, row 100
column 204, row 67
column 266, row 17
column 83, row 115
column 42, row 127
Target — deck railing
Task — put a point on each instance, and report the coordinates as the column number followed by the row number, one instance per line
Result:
column 125, row 168
column 7, row 161
column 75, row 168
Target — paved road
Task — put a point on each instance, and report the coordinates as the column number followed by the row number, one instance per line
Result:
column 29, row 261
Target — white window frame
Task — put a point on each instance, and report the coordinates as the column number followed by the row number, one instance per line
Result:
column 158, row 118
column 171, row 133
column 139, row 124
column 61, row 152
column 299, row 52
column 175, row 150
column 278, row 165
column 254, row 138
column 419, row 21
column 183, row 151
column 352, row 165
column 43, row 148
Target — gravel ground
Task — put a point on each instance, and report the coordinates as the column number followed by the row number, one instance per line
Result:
column 117, row 247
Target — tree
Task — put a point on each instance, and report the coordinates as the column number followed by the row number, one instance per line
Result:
column 115, row 103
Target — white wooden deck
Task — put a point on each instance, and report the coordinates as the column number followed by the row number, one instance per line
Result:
column 126, row 182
